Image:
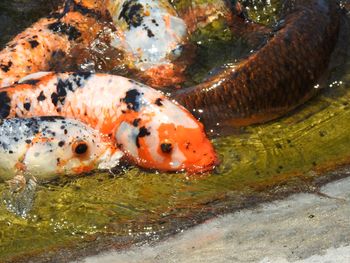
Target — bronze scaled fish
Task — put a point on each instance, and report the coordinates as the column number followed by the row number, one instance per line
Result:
column 278, row 77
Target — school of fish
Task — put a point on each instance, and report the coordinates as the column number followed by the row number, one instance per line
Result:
column 150, row 130
column 116, row 116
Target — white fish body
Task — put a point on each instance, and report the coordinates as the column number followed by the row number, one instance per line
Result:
column 45, row 147
column 149, row 31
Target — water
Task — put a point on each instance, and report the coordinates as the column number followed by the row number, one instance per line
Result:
column 76, row 216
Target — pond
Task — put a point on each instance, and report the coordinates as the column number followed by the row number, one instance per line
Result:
column 74, row 217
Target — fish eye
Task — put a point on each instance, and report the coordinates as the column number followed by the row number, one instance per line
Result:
column 166, row 147
column 80, row 147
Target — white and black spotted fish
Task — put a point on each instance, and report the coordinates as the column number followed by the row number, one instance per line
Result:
column 149, row 30
column 153, row 131
column 152, row 36
column 45, row 147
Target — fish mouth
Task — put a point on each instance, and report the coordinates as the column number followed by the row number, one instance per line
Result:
column 109, row 159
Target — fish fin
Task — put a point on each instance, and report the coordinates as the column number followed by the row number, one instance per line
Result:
column 20, row 197
column 17, row 183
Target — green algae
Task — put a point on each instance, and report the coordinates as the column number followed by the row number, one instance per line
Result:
column 73, row 212
column 262, row 11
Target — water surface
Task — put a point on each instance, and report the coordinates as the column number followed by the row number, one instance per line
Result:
column 78, row 216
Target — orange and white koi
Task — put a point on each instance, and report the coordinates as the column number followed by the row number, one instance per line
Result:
column 154, row 132
column 47, row 42
column 45, row 147
column 150, row 38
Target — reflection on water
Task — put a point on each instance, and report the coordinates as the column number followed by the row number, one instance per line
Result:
column 134, row 205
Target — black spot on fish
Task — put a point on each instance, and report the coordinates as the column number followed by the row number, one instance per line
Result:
column 65, row 131
column 61, row 143
column 61, row 91
column 79, row 78
column 150, row 33
column 28, row 141
column 6, row 68
column 132, row 12
column 10, row 152
column 33, row 43
column 136, row 122
column 142, row 133
column 84, row 75
column 166, row 147
column 132, row 99
column 41, row 96
column 155, row 22
column 158, row 102
column 30, row 81
column 28, row 124
column 51, row 118
column 5, row 106
column 54, row 98
column 59, row 27
column 27, row 106
column 86, row 11
column 70, row 84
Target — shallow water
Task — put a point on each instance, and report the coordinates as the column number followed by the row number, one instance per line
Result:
column 101, row 211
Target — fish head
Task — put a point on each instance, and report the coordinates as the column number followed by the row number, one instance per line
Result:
column 70, row 147
column 166, row 137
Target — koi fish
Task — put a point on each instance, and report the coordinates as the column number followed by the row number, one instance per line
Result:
column 46, row 42
column 278, row 77
column 149, row 33
column 49, row 146
column 152, row 131
column 152, row 36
